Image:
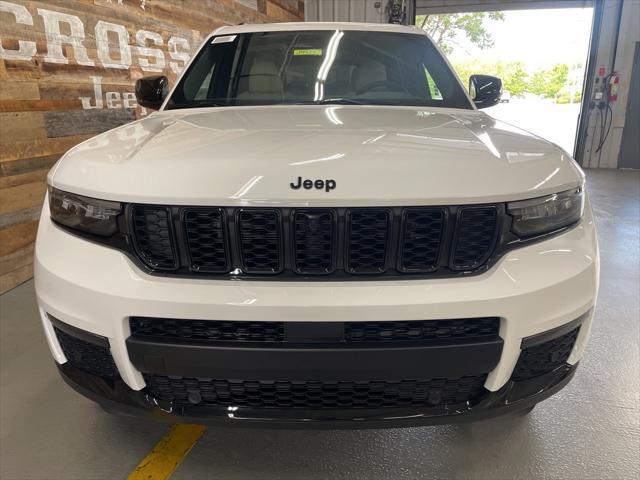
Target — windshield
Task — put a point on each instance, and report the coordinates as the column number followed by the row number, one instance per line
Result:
column 324, row 66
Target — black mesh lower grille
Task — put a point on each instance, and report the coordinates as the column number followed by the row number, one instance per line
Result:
column 205, row 232
column 85, row 356
column 443, row 331
column 260, row 240
column 545, row 357
column 153, row 237
column 314, row 241
column 475, row 238
column 206, row 330
column 315, row 394
column 420, row 239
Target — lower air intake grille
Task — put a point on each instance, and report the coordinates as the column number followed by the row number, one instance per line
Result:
column 442, row 331
column 85, row 356
column 316, row 395
column 545, row 357
column 206, row 330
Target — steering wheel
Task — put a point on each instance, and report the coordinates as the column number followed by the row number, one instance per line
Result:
column 379, row 83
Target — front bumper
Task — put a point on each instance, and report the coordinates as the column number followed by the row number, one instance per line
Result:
column 116, row 397
column 534, row 289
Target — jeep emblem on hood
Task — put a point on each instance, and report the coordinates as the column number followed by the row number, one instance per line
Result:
column 307, row 184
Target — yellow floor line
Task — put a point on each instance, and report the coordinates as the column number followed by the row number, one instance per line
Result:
column 168, row 453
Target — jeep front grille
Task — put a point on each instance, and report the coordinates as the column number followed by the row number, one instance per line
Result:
column 315, row 242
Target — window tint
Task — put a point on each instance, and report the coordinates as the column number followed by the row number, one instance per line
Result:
column 319, row 67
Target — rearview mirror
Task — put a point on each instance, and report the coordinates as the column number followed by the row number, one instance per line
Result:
column 151, row 91
column 485, row 90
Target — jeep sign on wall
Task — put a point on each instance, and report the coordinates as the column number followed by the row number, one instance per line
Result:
column 67, row 73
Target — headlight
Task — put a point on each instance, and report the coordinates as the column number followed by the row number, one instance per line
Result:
column 89, row 215
column 545, row 214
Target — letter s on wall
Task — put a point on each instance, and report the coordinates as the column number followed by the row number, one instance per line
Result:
column 143, row 51
column 178, row 50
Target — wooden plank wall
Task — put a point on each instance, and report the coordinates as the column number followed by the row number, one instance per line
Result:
column 67, row 69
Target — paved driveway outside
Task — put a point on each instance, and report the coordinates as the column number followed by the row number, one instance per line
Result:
column 556, row 123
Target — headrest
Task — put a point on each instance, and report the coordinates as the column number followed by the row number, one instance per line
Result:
column 264, row 78
column 368, row 72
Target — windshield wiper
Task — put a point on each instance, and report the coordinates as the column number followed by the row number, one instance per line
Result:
column 332, row 101
column 213, row 103
column 197, row 104
column 339, row 101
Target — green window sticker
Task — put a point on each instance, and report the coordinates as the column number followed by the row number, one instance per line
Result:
column 313, row 52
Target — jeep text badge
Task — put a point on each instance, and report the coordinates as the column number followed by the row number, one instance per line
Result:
column 307, row 184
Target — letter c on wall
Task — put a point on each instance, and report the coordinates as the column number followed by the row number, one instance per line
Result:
column 26, row 50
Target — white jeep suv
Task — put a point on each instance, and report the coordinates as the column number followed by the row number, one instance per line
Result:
column 317, row 228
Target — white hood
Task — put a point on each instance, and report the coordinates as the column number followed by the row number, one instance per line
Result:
column 375, row 155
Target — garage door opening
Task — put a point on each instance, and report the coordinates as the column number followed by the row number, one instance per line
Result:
column 540, row 55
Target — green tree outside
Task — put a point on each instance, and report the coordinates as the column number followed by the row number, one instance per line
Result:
column 444, row 28
column 549, row 83
column 515, row 78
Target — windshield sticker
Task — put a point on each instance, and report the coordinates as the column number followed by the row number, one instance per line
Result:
column 224, row 39
column 314, row 52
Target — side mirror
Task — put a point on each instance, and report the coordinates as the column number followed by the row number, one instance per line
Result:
column 151, row 91
column 485, row 90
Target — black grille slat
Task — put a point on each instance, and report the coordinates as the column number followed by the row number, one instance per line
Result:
column 367, row 241
column 420, row 239
column 545, row 357
column 206, row 330
column 154, row 238
column 85, row 356
column 206, row 239
column 314, row 241
column 475, row 237
column 316, row 394
column 442, row 331
column 260, row 240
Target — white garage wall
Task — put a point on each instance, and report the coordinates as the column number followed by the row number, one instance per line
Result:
column 371, row 11
column 452, row 6
column 627, row 36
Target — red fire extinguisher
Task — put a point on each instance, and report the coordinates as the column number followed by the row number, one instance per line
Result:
column 612, row 87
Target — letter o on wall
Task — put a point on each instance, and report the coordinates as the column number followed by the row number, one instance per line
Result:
column 102, row 41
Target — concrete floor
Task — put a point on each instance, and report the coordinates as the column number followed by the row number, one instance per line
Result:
column 589, row 430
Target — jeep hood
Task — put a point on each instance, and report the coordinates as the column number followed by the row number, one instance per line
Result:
column 375, row 155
